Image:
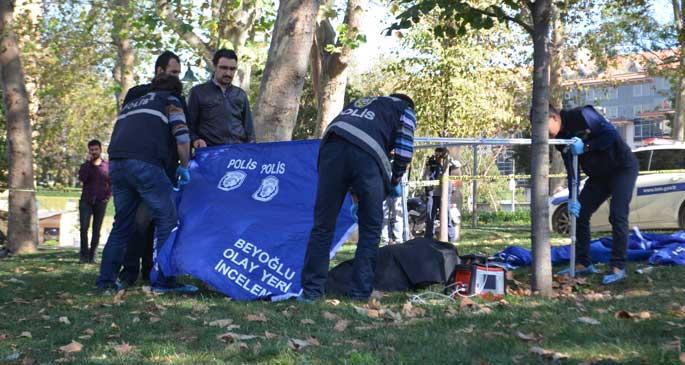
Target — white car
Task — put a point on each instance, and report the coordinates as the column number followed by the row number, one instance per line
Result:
column 658, row 199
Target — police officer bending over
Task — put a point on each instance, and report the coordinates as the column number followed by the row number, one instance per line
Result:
column 612, row 170
column 139, row 152
column 354, row 156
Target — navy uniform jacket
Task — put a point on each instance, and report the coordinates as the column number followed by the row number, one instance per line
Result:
column 140, row 90
column 605, row 150
column 379, row 125
column 143, row 130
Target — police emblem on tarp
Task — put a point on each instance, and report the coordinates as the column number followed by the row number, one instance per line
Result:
column 232, row 180
column 267, row 190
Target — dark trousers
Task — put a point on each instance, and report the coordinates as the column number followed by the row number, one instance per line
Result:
column 344, row 167
column 86, row 211
column 133, row 182
column 432, row 213
column 619, row 186
column 138, row 259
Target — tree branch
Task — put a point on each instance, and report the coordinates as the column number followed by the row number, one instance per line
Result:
column 677, row 15
column 508, row 18
column 178, row 26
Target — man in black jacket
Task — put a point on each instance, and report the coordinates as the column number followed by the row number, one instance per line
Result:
column 612, row 170
column 139, row 251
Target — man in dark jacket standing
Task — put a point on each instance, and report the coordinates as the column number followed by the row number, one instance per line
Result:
column 95, row 194
column 139, row 153
column 354, row 157
column 612, row 170
column 219, row 112
column 138, row 260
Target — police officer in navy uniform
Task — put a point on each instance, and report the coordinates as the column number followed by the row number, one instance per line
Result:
column 354, row 157
column 139, row 153
column 612, row 170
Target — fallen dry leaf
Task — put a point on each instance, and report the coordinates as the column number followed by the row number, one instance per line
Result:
column 297, row 345
column 373, row 313
column 410, row 311
column 341, row 325
column 72, row 347
column 467, row 303
column 588, row 320
column 89, row 331
column 28, row 361
column 682, row 358
column 623, row 314
column 155, row 319
column 313, row 341
column 270, row 335
column 232, row 337
column 135, row 319
column 259, row 317
column 468, row 329
column 64, row 320
column 221, row 323
column 333, row 302
column 374, row 304
column 307, row 321
column 535, row 315
column 548, row 354
column 124, row 348
column 330, row 316
column 85, row 337
column 3, row 336
column 119, row 296
column 243, row 346
column 531, row 337
column 200, row 307
column 26, row 334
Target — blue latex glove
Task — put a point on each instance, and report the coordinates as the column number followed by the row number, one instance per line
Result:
column 574, row 209
column 182, row 175
column 578, row 147
column 354, row 208
column 396, row 191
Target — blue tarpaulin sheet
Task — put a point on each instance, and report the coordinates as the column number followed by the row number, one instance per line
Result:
column 245, row 219
column 663, row 249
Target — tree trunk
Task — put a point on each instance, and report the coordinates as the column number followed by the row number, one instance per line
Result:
column 286, row 66
column 22, row 228
column 678, row 130
column 333, row 78
column 542, row 266
column 123, row 71
column 556, row 93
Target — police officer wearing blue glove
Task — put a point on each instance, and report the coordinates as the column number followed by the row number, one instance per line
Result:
column 612, row 170
column 139, row 152
column 354, row 156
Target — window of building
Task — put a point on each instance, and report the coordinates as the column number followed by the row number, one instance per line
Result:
column 637, row 90
column 590, row 95
column 611, row 93
column 637, row 109
column 612, row 112
column 648, row 89
column 648, row 129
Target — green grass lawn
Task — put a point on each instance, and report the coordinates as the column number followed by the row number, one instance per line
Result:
column 49, row 296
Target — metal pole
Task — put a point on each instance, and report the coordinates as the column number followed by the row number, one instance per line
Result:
column 513, row 186
column 474, row 192
column 572, row 229
column 444, row 200
column 405, row 211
